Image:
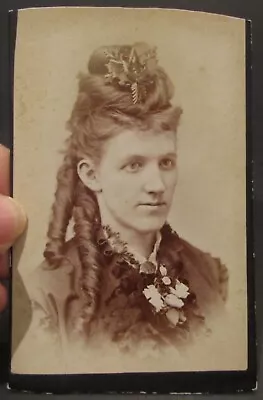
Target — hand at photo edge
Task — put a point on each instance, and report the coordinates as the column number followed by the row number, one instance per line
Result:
column 12, row 221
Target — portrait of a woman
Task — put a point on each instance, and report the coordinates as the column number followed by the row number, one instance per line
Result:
column 125, row 276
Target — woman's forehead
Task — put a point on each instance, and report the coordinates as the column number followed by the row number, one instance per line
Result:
column 141, row 143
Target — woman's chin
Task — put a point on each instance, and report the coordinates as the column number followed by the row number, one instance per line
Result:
column 147, row 225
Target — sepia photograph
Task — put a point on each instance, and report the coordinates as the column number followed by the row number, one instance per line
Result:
column 129, row 153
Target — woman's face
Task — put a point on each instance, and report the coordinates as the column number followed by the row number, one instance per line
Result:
column 137, row 178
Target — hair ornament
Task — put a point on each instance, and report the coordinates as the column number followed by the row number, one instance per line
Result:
column 132, row 67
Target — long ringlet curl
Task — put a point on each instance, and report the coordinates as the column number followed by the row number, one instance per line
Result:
column 100, row 112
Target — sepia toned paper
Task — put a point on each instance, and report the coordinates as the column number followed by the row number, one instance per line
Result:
column 204, row 56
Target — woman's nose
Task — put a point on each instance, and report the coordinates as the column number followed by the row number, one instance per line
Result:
column 154, row 181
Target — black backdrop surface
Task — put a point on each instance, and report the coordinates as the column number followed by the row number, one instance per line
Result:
column 240, row 8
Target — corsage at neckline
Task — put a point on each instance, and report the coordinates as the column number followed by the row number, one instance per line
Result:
column 166, row 293
column 168, row 296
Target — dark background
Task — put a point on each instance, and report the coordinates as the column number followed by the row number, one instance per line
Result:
column 249, row 9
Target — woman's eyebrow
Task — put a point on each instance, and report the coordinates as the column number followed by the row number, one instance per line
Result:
column 170, row 154
column 137, row 156
column 133, row 156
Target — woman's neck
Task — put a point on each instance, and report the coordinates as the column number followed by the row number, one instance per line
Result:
column 142, row 243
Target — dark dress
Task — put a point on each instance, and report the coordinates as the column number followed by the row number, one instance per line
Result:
column 124, row 315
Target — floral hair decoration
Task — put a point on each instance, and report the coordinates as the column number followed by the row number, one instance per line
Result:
column 133, row 68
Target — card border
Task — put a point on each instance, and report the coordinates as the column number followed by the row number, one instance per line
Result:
column 213, row 382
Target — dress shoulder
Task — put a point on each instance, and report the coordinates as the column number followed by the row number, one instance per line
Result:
column 213, row 270
column 49, row 288
column 54, row 280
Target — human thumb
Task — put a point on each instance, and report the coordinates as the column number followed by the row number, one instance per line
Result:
column 13, row 221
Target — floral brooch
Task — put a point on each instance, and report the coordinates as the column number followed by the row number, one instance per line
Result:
column 167, row 297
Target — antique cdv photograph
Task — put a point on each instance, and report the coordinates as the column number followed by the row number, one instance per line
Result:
column 129, row 155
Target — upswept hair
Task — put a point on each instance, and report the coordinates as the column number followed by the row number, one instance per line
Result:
column 100, row 111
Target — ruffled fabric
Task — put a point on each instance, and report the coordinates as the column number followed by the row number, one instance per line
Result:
column 124, row 313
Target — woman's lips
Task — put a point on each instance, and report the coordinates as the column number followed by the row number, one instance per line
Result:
column 152, row 206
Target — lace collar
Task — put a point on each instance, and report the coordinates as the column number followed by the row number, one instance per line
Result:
column 153, row 256
column 127, row 252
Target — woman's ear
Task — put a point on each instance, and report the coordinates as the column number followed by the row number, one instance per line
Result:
column 87, row 173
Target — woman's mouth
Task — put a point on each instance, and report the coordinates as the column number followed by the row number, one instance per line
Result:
column 153, row 205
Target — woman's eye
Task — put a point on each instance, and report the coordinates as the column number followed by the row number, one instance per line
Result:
column 167, row 163
column 133, row 166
